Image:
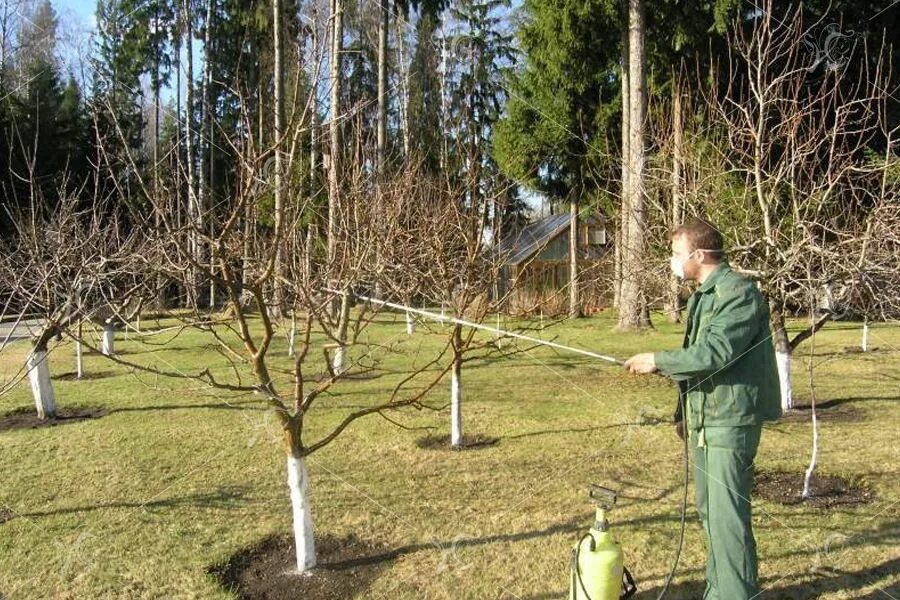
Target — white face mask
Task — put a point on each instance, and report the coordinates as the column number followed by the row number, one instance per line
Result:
column 677, row 266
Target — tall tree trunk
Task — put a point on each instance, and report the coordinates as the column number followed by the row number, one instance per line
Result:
column 277, row 24
column 403, row 82
column 621, row 241
column 574, row 302
column 632, row 302
column 337, row 45
column 194, row 217
column 206, row 146
column 382, row 89
column 314, row 120
column 673, row 306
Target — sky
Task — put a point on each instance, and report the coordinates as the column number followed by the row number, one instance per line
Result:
column 82, row 10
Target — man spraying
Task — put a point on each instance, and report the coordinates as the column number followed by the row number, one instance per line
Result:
column 728, row 385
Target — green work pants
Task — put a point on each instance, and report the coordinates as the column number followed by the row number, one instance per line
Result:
column 723, row 474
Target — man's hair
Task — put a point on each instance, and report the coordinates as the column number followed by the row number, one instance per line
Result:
column 701, row 235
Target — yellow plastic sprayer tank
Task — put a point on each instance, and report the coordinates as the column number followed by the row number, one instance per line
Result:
column 597, row 562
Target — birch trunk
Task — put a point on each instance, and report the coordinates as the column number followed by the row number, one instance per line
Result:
column 41, row 385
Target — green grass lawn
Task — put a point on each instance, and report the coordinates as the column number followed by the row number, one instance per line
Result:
column 176, row 478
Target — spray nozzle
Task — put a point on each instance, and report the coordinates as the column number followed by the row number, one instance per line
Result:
column 601, row 496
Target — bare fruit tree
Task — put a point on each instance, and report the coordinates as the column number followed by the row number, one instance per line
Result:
column 798, row 126
column 62, row 268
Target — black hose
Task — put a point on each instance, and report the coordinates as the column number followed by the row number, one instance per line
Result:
column 687, row 468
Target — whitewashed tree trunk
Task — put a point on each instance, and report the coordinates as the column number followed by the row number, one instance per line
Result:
column 456, row 404
column 292, row 335
column 783, row 359
column 41, row 386
column 782, row 354
column 865, row 337
column 807, row 478
column 109, row 339
column 340, row 353
column 410, row 323
column 79, row 360
column 304, row 540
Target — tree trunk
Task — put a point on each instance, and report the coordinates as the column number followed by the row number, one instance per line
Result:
column 107, row 345
column 674, row 303
column 382, row 90
column 403, row 83
column 574, row 301
column 337, row 46
column 621, row 242
column 456, row 405
column 279, row 164
column 807, row 479
column 865, row 336
column 79, row 355
column 338, row 363
column 41, row 385
column 206, row 143
column 314, row 121
column 782, row 356
column 304, row 538
column 632, row 301
column 292, row 335
column 195, row 225
column 410, row 323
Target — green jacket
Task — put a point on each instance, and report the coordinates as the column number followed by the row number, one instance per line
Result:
column 726, row 368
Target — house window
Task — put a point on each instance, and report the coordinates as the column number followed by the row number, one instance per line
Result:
column 598, row 237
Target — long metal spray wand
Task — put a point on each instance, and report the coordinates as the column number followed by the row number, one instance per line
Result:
column 495, row 330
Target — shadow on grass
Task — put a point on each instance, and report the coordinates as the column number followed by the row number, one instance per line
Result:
column 573, row 526
column 838, row 581
column 73, row 376
column 231, row 405
column 224, row 498
column 645, row 422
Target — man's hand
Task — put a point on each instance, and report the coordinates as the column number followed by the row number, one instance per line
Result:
column 641, row 363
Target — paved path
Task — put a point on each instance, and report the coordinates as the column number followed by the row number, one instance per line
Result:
column 24, row 330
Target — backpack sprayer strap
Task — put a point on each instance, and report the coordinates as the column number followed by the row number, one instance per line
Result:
column 629, row 586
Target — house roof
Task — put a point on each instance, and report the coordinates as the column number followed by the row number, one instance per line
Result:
column 531, row 238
